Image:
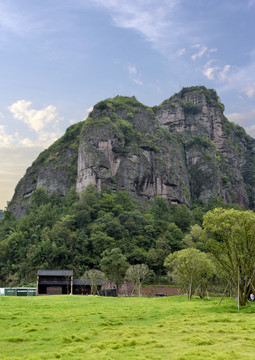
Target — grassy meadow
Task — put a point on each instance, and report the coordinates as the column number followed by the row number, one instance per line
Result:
column 81, row 327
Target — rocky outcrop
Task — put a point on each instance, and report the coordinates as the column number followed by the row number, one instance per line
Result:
column 184, row 149
column 55, row 169
column 131, row 151
column 215, row 152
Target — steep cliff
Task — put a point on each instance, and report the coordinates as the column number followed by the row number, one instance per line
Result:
column 123, row 145
column 218, row 153
column 55, row 169
column 184, row 149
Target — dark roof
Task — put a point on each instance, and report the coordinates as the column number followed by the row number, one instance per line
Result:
column 55, row 272
column 86, row 282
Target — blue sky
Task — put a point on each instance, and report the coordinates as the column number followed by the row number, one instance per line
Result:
column 60, row 57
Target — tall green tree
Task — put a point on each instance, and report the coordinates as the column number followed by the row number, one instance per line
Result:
column 182, row 217
column 95, row 276
column 137, row 274
column 114, row 264
column 231, row 239
column 191, row 269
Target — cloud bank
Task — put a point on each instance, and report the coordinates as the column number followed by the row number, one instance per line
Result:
column 35, row 119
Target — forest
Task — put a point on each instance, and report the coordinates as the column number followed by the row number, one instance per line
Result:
column 72, row 233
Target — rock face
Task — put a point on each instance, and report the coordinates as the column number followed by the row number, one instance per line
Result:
column 184, row 149
column 129, row 150
column 55, row 169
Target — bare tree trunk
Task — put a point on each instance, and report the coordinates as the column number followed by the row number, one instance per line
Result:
column 190, row 290
column 238, row 291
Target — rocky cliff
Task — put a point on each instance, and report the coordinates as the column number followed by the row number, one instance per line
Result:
column 184, row 149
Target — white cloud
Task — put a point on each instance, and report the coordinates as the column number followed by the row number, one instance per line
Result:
column 223, row 73
column 44, row 140
column 35, row 119
column 88, row 111
column 214, row 72
column 153, row 20
column 251, row 130
column 135, row 76
column 131, row 69
column 242, row 79
column 242, row 118
column 209, row 70
column 249, row 90
column 201, row 51
column 138, row 82
column 17, row 23
column 181, row 52
column 5, row 139
column 13, row 163
column 245, row 120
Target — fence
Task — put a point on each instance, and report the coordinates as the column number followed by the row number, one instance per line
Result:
column 19, row 291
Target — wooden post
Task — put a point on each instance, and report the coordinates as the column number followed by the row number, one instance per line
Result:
column 71, row 285
column 223, row 294
column 37, row 285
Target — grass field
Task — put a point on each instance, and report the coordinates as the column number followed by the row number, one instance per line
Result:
column 80, row 327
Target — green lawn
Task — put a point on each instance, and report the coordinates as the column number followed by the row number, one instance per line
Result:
column 80, row 327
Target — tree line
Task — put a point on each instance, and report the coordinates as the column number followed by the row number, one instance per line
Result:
column 83, row 233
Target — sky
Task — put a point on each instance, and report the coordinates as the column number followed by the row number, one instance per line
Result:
column 58, row 58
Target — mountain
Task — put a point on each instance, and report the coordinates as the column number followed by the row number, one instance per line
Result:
column 184, row 149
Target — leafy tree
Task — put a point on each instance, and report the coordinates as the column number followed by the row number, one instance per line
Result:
column 182, row 217
column 198, row 212
column 231, row 239
column 89, row 201
column 155, row 260
column 124, row 200
column 136, row 274
column 136, row 255
column 191, row 269
column 7, row 224
column 114, row 264
column 107, row 202
column 174, row 237
column 160, row 209
column 101, row 242
column 95, row 276
column 133, row 221
column 16, row 247
column 39, row 198
column 196, row 238
column 162, row 245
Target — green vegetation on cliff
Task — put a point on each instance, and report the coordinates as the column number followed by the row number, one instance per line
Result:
column 184, row 149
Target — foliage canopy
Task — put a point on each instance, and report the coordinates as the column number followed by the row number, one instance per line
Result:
column 231, row 239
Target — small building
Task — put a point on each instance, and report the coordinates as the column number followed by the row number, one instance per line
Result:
column 83, row 286
column 54, row 282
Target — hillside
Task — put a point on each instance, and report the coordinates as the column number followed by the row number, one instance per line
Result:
column 183, row 150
